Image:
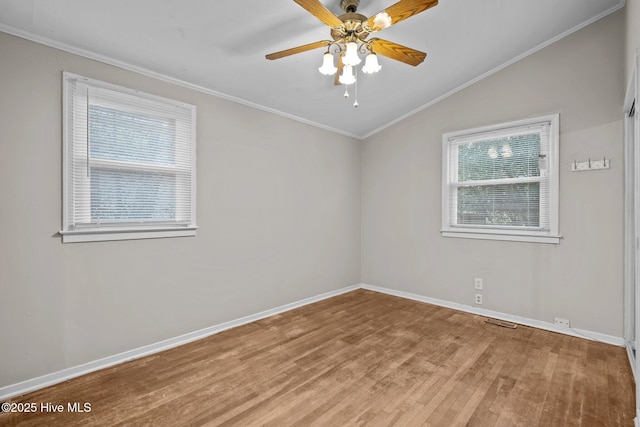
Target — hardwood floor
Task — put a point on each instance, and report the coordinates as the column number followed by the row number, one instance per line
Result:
column 361, row 358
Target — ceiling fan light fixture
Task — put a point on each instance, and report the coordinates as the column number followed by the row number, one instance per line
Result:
column 351, row 54
column 347, row 77
column 371, row 64
column 327, row 68
column 349, row 36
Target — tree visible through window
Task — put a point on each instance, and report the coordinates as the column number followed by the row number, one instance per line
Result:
column 516, row 204
column 498, row 180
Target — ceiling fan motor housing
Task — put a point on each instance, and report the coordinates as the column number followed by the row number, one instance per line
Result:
column 352, row 28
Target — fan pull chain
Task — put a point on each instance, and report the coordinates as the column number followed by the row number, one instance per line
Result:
column 346, row 91
column 355, row 103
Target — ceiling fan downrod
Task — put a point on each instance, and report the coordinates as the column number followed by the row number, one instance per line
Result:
column 349, row 6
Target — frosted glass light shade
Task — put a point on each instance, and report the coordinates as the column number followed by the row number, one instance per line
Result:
column 371, row 64
column 382, row 21
column 327, row 68
column 351, row 54
column 347, row 77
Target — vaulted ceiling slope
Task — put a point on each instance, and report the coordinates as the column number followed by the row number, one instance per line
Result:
column 219, row 47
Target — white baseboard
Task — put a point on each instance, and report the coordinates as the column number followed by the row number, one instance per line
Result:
column 75, row 371
column 594, row 336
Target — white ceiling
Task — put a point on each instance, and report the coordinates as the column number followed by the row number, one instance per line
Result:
column 220, row 47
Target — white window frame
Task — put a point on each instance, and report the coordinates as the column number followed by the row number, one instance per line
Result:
column 73, row 232
column 520, row 234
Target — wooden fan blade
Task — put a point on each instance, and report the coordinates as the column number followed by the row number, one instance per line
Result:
column 398, row 12
column 298, row 49
column 318, row 10
column 336, row 80
column 398, row 52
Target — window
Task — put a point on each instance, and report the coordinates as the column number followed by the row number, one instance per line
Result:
column 501, row 182
column 128, row 164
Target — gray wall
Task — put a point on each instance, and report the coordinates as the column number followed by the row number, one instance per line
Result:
column 278, row 208
column 580, row 279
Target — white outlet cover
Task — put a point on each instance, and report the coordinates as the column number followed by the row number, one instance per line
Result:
column 561, row 322
column 478, row 283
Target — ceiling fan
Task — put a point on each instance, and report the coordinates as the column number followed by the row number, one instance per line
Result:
column 350, row 32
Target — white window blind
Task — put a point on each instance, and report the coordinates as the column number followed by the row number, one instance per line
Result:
column 129, row 163
column 502, row 181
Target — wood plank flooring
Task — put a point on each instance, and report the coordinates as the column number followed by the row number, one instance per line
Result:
column 361, row 358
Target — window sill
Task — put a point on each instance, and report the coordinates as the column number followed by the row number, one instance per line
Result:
column 512, row 237
column 102, row 235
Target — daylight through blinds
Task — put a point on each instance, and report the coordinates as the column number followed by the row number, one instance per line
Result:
column 499, row 179
column 130, row 161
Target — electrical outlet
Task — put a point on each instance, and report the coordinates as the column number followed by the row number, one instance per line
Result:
column 478, row 283
column 558, row 321
column 479, row 299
